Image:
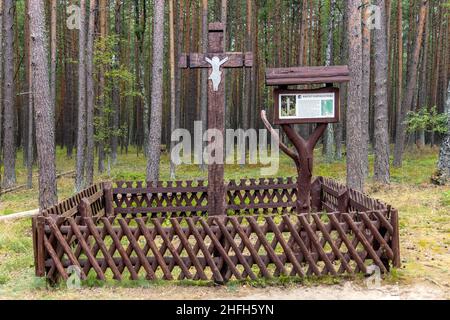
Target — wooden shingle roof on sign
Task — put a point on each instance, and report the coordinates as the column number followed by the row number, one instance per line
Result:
column 306, row 75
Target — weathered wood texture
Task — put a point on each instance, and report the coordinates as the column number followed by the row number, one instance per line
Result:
column 243, row 245
column 216, row 106
column 306, row 75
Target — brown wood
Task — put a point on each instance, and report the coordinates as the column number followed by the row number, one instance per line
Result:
column 395, row 238
column 197, row 60
column 87, row 250
column 108, row 198
column 142, row 258
column 216, row 107
column 40, row 254
column 119, row 247
column 362, row 238
column 218, row 247
column 307, row 75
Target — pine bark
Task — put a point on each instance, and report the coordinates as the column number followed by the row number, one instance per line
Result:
column 400, row 58
column 381, row 136
column 28, row 147
column 154, row 148
column 173, row 110
column 1, row 80
column 444, row 154
column 9, row 92
column 102, row 17
column 116, row 103
column 204, row 76
column 45, row 125
column 355, row 173
column 301, row 48
column 53, row 50
column 90, row 95
column 247, row 106
column 81, row 138
column 410, row 87
column 339, row 127
column 366, row 68
column 329, row 133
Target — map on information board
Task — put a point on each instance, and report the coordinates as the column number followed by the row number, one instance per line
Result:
column 307, row 106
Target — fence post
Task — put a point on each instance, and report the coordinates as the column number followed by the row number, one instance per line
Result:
column 316, row 194
column 343, row 201
column 85, row 210
column 39, row 223
column 395, row 238
column 108, row 199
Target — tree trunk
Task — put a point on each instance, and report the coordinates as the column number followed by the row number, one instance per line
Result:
column 204, row 79
column 90, row 95
column 116, row 88
column 444, row 155
column 28, row 147
column 248, row 72
column 365, row 109
column 45, row 125
column 381, row 164
column 154, row 148
column 1, row 89
column 53, row 50
column 410, row 88
column 9, row 92
column 400, row 58
column 329, row 133
column 81, row 138
column 423, row 95
column 339, row 127
column 355, row 172
column 301, row 48
column 101, row 85
column 173, row 110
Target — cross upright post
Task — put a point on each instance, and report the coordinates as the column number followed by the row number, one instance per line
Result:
column 216, row 59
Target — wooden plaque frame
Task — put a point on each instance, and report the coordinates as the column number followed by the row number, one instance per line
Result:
column 278, row 92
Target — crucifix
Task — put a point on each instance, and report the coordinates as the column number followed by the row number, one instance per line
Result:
column 216, row 59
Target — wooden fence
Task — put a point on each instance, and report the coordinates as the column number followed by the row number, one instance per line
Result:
column 162, row 231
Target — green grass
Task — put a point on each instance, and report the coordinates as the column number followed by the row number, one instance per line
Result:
column 424, row 221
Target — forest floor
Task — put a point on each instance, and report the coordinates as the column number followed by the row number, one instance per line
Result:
column 424, row 234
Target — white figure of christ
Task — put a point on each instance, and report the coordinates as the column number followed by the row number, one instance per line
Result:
column 216, row 74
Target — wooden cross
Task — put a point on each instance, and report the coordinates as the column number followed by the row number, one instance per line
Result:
column 216, row 59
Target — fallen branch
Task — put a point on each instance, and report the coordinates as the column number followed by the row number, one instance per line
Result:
column 19, row 215
column 24, row 186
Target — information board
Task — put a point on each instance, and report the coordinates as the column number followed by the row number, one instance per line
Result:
column 307, row 106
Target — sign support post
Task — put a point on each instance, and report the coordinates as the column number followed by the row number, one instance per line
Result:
column 317, row 106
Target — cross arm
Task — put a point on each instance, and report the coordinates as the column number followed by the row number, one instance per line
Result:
column 235, row 60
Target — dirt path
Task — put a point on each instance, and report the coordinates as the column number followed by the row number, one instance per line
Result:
column 345, row 291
